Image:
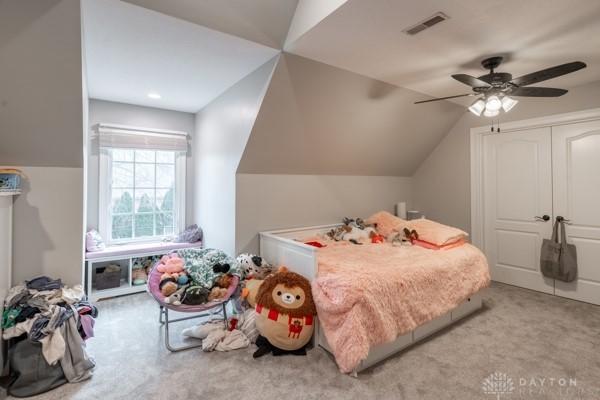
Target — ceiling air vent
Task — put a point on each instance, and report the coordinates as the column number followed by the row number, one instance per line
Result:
column 428, row 23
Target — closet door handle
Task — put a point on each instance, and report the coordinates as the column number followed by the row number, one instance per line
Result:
column 563, row 220
column 544, row 218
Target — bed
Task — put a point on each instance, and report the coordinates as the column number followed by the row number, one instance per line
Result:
column 340, row 319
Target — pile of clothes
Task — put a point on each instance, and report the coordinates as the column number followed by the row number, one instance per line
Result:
column 45, row 312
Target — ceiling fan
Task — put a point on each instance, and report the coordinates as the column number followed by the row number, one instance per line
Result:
column 494, row 90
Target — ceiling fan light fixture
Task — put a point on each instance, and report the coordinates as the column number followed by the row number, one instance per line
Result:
column 490, row 113
column 477, row 107
column 508, row 103
column 493, row 103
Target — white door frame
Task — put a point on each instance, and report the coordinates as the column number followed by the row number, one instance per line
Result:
column 477, row 159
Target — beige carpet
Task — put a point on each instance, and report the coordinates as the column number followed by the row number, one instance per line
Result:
column 520, row 333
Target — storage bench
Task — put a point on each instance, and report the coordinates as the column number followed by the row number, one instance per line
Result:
column 124, row 256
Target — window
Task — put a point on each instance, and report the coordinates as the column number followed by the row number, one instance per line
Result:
column 141, row 197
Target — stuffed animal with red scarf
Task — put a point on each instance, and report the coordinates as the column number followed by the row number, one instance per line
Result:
column 285, row 314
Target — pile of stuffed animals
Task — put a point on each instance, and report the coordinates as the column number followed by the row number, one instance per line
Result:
column 274, row 308
column 178, row 286
column 356, row 231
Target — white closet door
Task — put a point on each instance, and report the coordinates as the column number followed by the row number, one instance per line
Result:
column 576, row 169
column 517, row 187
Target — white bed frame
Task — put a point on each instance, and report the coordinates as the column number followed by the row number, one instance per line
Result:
column 280, row 248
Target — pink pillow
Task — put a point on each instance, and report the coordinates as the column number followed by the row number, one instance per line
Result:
column 387, row 223
column 436, row 233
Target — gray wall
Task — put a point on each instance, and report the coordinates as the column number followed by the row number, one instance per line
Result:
column 441, row 184
column 41, row 120
column 266, row 202
column 40, row 83
column 222, row 130
column 320, row 120
column 101, row 111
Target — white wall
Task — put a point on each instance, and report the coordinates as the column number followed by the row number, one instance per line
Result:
column 266, row 202
column 222, row 130
column 441, row 185
column 101, row 111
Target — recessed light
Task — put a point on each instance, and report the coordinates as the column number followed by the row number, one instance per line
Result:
column 154, row 95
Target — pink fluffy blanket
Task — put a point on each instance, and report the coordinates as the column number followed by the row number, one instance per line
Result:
column 371, row 294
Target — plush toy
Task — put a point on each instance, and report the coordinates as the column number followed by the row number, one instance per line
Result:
column 285, row 314
column 217, row 293
column 183, row 279
column 176, row 297
column 170, row 264
column 224, row 281
column 253, row 267
column 404, row 238
column 376, row 238
column 139, row 276
column 195, row 295
column 167, row 287
column 250, row 291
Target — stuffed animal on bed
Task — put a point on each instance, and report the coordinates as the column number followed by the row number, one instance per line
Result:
column 285, row 314
column 253, row 266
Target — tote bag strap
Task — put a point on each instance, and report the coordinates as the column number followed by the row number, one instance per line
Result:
column 555, row 231
column 563, row 235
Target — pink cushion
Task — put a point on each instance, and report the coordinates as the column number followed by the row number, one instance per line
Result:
column 143, row 248
column 387, row 223
column 436, row 233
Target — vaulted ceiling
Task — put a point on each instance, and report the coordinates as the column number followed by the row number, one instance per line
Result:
column 367, row 37
column 133, row 51
column 341, row 97
column 262, row 21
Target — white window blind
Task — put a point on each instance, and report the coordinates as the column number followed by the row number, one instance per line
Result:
column 130, row 137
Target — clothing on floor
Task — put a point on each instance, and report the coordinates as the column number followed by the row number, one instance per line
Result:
column 215, row 337
column 210, row 342
column 76, row 363
column 44, row 283
column 26, row 313
column 233, row 340
column 248, row 325
column 203, row 330
column 57, row 319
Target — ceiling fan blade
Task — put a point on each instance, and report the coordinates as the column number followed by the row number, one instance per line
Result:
column 537, row 92
column 470, row 80
column 445, row 98
column 548, row 73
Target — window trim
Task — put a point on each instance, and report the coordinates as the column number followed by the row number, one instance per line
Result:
column 104, row 199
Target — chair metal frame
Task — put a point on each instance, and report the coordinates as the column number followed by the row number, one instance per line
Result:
column 165, row 311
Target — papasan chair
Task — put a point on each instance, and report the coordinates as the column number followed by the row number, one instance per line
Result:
column 200, row 311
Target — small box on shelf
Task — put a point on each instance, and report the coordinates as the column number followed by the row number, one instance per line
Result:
column 107, row 277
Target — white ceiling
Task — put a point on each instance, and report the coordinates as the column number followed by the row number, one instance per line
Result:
column 263, row 21
column 132, row 51
column 366, row 37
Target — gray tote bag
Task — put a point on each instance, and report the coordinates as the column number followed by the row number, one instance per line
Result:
column 550, row 254
column 567, row 268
